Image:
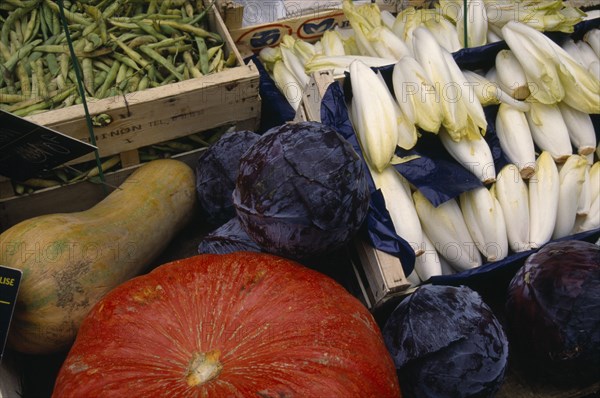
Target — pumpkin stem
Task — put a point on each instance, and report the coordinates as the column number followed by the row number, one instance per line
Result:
column 203, row 368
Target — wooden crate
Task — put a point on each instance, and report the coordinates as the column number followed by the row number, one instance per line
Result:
column 309, row 23
column 69, row 198
column 140, row 119
column 171, row 111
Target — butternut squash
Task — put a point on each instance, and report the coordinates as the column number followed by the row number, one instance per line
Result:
column 71, row 260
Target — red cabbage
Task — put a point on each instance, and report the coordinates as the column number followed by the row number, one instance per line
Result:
column 301, row 190
column 553, row 311
column 446, row 342
column 216, row 171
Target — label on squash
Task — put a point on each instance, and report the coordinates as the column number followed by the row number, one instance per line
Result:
column 27, row 148
column 9, row 287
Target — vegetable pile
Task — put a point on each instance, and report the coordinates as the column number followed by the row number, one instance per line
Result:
column 300, row 191
column 122, row 47
column 517, row 121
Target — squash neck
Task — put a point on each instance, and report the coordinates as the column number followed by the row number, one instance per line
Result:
column 204, row 367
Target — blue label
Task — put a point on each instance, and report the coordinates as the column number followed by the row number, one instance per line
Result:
column 265, row 38
column 319, row 27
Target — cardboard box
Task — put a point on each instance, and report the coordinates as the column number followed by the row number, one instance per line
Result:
column 307, row 22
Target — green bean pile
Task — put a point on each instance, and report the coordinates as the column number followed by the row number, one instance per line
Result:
column 122, row 46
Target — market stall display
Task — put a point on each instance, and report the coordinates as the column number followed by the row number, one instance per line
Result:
column 474, row 162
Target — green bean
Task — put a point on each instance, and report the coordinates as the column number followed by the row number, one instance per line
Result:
column 150, row 30
column 110, row 78
column 20, row 54
column 112, row 8
column 23, row 77
column 125, row 60
column 123, row 25
column 191, row 29
column 179, row 146
column 189, row 63
column 88, row 74
column 172, row 78
column 152, row 7
column 131, row 53
column 213, row 51
column 60, row 82
column 231, row 60
column 121, row 74
column 164, row 6
column 19, row 189
column 175, row 13
column 11, row 20
column 145, row 157
column 133, row 83
column 42, row 89
column 103, row 30
column 92, row 11
column 42, row 23
column 52, row 64
column 94, row 41
column 33, row 26
column 34, row 95
column 28, row 3
column 106, row 165
column 63, row 48
column 166, row 42
column 40, row 183
column 188, row 9
column 166, row 28
column 149, row 17
column 70, row 16
column 202, row 55
column 201, row 16
column 56, row 99
column 16, row 35
column 15, row 40
column 55, row 26
column 161, row 60
column 144, row 83
column 197, row 139
column 12, row 98
column 128, row 36
column 4, row 52
column 61, row 174
column 147, row 38
column 102, row 65
column 140, row 40
column 99, row 79
column 64, row 61
column 218, row 58
column 176, row 50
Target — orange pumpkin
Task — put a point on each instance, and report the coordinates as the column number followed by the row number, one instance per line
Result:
column 233, row 325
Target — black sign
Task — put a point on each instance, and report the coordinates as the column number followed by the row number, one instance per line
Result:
column 9, row 286
column 26, row 148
